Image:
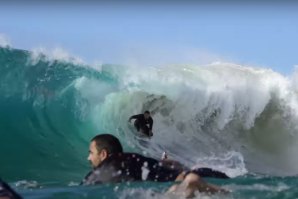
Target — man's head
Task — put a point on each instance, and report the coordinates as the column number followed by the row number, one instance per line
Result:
column 146, row 114
column 101, row 147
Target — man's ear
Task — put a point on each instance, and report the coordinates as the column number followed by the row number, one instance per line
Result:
column 103, row 154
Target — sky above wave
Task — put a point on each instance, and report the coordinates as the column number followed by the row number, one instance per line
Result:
column 178, row 32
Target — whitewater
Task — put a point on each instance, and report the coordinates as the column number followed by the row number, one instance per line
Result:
column 238, row 119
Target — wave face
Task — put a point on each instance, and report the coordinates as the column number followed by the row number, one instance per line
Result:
column 231, row 117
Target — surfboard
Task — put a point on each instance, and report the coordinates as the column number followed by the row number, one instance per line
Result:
column 136, row 133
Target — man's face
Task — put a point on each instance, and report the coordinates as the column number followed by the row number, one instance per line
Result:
column 96, row 157
column 146, row 115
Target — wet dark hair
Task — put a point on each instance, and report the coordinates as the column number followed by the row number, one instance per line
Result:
column 148, row 112
column 108, row 142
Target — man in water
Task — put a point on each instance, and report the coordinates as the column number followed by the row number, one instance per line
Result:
column 111, row 165
column 143, row 123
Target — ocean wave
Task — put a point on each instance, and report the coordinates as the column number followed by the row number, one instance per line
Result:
column 51, row 108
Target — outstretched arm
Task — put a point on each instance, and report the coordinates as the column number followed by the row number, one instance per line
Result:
column 133, row 117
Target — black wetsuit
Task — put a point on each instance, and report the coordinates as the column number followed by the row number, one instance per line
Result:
column 125, row 167
column 6, row 191
column 142, row 123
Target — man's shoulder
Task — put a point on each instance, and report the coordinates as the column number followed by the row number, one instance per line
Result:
column 128, row 155
column 130, row 160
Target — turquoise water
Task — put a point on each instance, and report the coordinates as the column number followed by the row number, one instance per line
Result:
column 236, row 119
column 241, row 187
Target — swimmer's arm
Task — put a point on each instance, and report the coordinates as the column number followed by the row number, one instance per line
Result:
column 133, row 117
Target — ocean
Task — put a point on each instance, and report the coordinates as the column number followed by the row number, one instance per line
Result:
column 237, row 119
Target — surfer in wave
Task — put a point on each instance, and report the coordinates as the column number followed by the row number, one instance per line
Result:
column 143, row 123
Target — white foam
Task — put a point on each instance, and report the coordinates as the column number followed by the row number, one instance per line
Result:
column 56, row 54
column 280, row 187
column 4, row 41
column 232, row 163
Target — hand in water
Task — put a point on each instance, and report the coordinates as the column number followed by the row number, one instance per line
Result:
column 150, row 133
column 164, row 156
